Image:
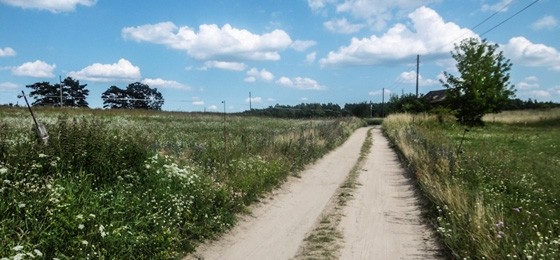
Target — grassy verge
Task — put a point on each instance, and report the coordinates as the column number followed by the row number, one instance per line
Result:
column 325, row 241
column 494, row 192
column 143, row 185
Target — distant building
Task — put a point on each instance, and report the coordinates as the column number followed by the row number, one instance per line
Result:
column 436, row 96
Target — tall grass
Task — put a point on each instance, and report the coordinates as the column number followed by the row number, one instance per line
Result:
column 143, row 185
column 496, row 197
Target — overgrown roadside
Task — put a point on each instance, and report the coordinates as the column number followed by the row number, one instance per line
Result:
column 326, row 239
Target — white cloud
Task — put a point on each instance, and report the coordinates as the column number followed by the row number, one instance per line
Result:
column 213, row 108
column 409, row 77
column 310, row 58
column 430, row 35
column 36, row 69
column 212, row 42
column 7, row 52
column 524, row 52
column 501, row 6
column 531, row 82
column 161, row 83
column 379, row 92
column 300, row 83
column 299, row 45
column 254, row 74
column 55, row 6
column 201, row 103
column 547, row 22
column 254, row 100
column 378, row 12
column 304, row 99
column 7, row 86
column 342, row 26
column 540, row 93
column 316, row 4
column 123, row 70
column 273, row 100
column 235, row 66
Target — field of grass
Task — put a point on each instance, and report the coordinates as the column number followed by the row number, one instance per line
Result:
column 494, row 192
column 138, row 184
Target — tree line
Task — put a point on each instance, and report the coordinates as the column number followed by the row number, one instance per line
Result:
column 70, row 93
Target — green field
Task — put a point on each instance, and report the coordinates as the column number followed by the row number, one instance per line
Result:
column 494, row 194
column 123, row 184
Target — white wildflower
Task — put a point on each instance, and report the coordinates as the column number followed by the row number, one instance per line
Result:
column 85, row 242
column 21, row 205
column 42, row 155
column 37, row 252
column 18, row 248
column 81, row 226
column 80, row 216
column 19, row 256
column 3, row 170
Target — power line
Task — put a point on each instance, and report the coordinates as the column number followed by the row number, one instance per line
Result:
column 507, row 19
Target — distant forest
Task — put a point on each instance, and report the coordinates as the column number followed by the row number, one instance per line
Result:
column 396, row 104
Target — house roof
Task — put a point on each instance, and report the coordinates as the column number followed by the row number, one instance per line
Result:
column 436, row 96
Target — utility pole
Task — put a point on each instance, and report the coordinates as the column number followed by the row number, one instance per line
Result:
column 383, row 103
column 417, row 72
column 60, row 79
column 250, row 107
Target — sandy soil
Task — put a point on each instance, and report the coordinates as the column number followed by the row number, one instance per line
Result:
column 381, row 222
column 277, row 227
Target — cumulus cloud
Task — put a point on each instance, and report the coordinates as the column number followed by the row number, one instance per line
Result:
column 547, row 22
column 342, row 26
column 310, row 58
column 200, row 103
column 540, row 93
column 254, row 100
column 235, row 66
column 123, row 70
column 55, row 6
column 409, row 77
column 36, row 69
column 378, row 12
column 524, row 52
column 531, row 82
column 379, row 92
column 7, row 52
column 429, row 35
column 212, row 42
column 501, row 6
column 300, row 83
column 161, row 83
column 7, row 86
column 299, row 45
column 255, row 74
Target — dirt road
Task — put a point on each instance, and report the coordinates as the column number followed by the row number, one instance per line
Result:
column 381, row 223
column 383, row 220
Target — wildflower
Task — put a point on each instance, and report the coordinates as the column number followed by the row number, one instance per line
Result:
column 85, row 242
column 79, row 216
column 42, row 155
column 19, row 256
column 3, row 170
column 81, row 226
column 102, row 231
column 500, row 224
column 500, row 235
column 37, row 252
column 518, row 210
column 91, row 215
column 18, row 248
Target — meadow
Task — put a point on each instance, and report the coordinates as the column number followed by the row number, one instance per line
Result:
column 492, row 190
column 128, row 184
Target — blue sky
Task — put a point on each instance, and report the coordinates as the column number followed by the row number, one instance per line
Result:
column 199, row 53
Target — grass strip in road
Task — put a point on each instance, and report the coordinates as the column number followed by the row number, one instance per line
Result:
column 325, row 241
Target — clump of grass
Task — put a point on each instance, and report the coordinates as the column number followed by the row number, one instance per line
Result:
column 148, row 185
column 495, row 197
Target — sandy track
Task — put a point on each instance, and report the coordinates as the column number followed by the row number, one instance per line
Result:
column 383, row 220
column 276, row 228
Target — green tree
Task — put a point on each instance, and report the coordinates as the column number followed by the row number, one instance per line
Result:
column 483, row 86
column 73, row 94
column 136, row 95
